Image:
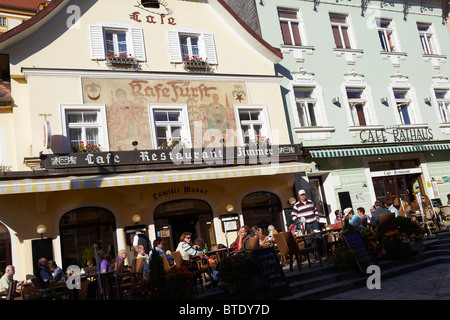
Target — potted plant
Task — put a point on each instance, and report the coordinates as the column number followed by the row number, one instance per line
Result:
column 86, row 147
column 414, row 232
column 371, row 241
column 88, row 256
column 397, row 245
column 260, row 140
column 123, row 58
column 195, row 63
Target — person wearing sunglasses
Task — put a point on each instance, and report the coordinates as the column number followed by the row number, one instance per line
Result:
column 186, row 248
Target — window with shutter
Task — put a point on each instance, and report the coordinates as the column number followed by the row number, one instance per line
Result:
column 183, row 44
column 116, row 40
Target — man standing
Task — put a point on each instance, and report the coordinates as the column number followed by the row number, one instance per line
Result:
column 143, row 240
column 306, row 209
column 379, row 210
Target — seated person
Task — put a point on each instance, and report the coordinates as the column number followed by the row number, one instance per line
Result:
column 7, row 278
column 158, row 245
column 261, row 236
column 353, row 219
column 44, row 273
column 272, row 231
column 242, row 241
column 185, row 248
column 58, row 274
column 200, row 243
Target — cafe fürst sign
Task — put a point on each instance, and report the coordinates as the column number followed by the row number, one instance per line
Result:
column 253, row 154
column 395, row 134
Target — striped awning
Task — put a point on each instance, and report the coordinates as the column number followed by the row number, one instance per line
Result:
column 145, row 177
column 349, row 152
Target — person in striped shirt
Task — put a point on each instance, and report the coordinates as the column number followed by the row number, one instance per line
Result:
column 305, row 209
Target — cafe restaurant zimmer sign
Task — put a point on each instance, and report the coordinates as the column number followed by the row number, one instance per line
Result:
column 254, row 154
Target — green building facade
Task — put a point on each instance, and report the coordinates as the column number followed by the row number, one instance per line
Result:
column 366, row 92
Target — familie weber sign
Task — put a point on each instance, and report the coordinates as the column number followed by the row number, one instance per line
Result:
column 253, row 154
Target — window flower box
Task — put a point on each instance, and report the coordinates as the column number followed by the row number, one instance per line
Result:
column 195, row 63
column 171, row 144
column 259, row 140
column 122, row 59
column 86, row 148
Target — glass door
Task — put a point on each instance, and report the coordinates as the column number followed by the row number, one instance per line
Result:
column 398, row 187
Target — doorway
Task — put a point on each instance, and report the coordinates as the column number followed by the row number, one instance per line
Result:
column 399, row 187
column 175, row 217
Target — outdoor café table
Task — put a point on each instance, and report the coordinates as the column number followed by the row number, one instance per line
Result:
column 312, row 235
column 217, row 252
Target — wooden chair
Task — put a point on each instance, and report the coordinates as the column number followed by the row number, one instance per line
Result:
column 289, row 248
column 306, row 249
column 254, row 243
column 27, row 291
column 446, row 220
column 11, row 292
column 166, row 264
column 386, row 223
column 331, row 238
column 430, row 219
column 177, row 258
column 61, row 287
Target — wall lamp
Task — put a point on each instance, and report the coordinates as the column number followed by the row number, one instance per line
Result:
column 292, row 201
column 229, row 208
column 384, row 100
column 427, row 100
column 134, row 144
column 41, row 230
column 136, row 219
column 335, row 100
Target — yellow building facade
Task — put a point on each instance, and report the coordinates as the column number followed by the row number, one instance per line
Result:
column 128, row 116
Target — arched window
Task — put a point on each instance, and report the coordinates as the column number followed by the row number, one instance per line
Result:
column 80, row 229
column 262, row 209
column 5, row 248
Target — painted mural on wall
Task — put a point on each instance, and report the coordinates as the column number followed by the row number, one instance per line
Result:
column 127, row 100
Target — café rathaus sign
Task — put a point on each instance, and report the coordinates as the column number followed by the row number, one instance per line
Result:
column 396, row 134
column 253, row 154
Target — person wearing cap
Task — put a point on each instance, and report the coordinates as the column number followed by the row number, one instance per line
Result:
column 306, row 209
column 353, row 219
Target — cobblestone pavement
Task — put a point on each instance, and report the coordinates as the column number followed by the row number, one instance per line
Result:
column 430, row 283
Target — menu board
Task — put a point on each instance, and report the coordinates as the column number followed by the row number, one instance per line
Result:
column 356, row 244
column 271, row 272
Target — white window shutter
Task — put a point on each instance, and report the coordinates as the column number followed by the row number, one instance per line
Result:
column 173, row 41
column 97, row 42
column 138, row 44
column 210, row 48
